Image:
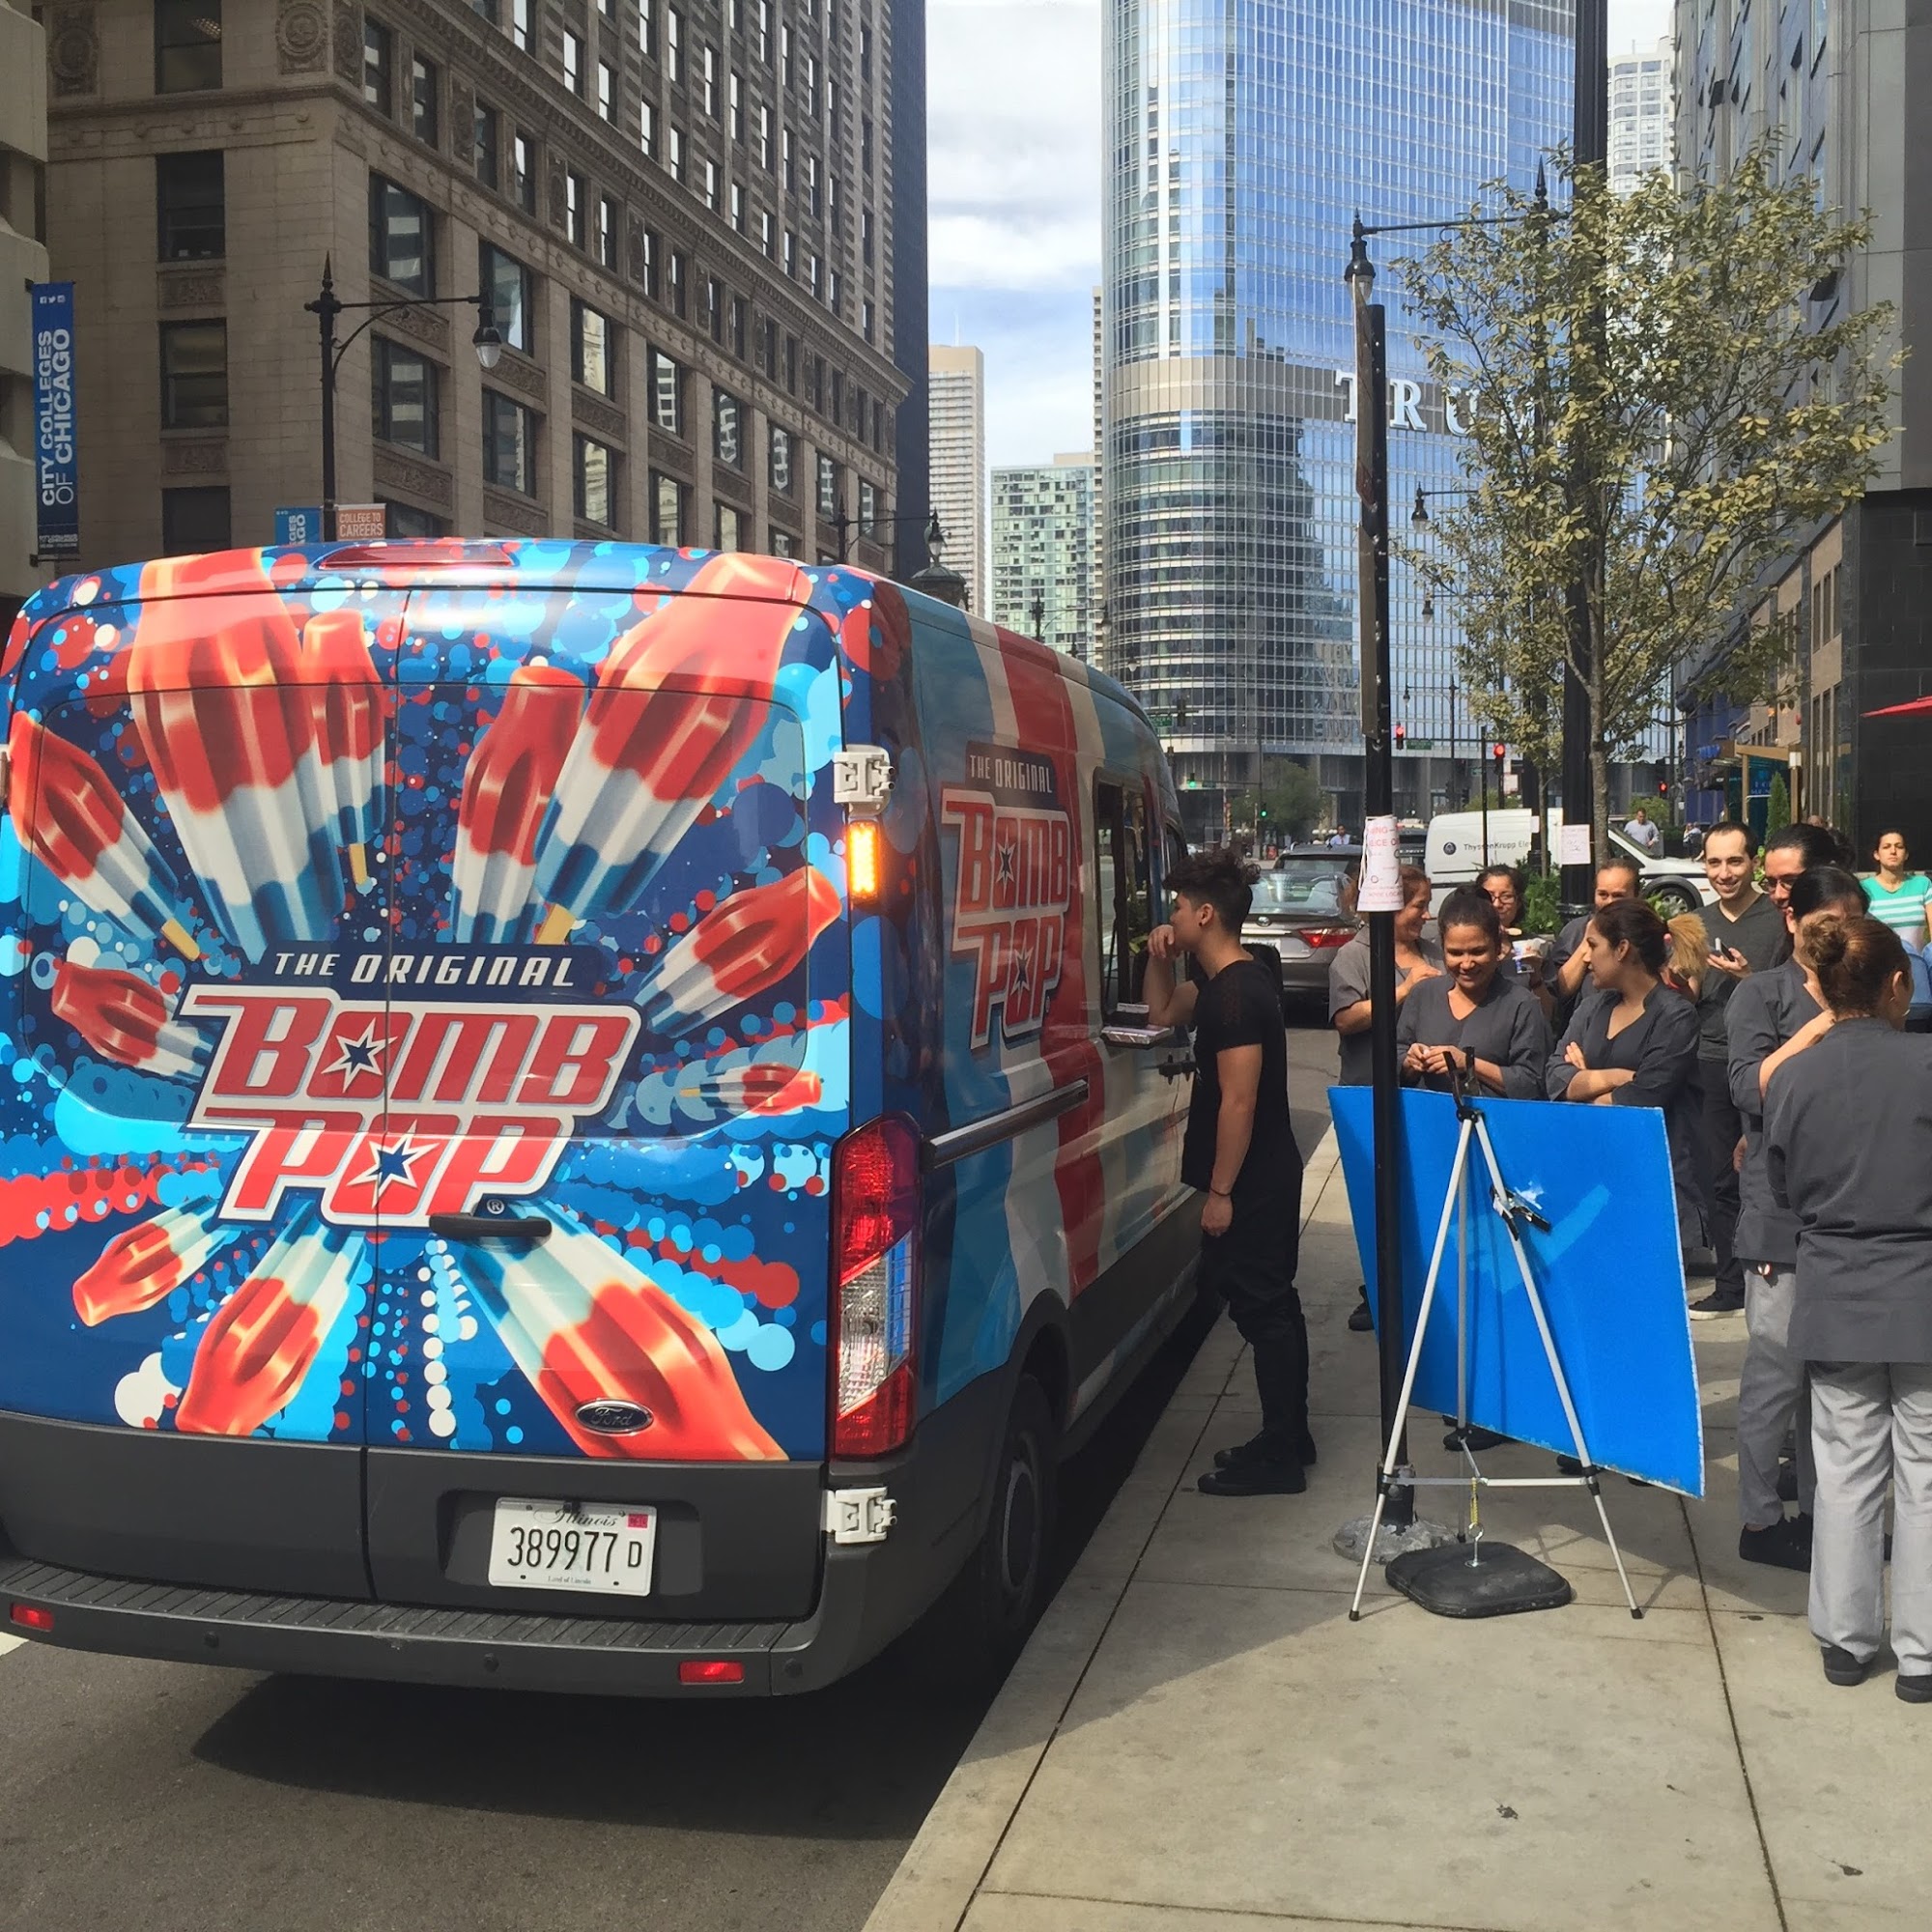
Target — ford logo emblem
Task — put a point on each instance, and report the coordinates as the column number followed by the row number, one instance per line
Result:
column 613, row 1419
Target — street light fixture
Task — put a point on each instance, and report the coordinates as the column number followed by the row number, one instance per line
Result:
column 487, row 341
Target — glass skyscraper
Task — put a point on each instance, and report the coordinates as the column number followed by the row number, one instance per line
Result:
column 1244, row 136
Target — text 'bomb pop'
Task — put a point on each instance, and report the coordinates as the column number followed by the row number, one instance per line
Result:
column 766, row 1087
column 261, row 1343
column 680, row 700
column 585, row 1325
column 126, row 1019
column 348, row 707
column 147, row 1263
column 68, row 815
column 231, row 728
column 507, row 786
column 751, row 941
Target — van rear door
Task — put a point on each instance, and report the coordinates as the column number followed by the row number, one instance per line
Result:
column 611, row 1090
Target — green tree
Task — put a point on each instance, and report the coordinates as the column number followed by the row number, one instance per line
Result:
column 1778, row 806
column 1658, row 410
column 1288, row 806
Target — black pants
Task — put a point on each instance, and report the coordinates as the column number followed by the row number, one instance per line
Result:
column 1251, row 1267
column 1721, row 1130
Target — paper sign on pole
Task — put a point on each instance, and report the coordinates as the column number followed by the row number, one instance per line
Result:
column 1573, row 845
column 1381, row 867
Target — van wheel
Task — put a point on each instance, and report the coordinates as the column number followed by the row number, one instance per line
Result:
column 980, row 1625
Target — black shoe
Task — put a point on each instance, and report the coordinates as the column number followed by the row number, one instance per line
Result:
column 1257, row 1449
column 1717, row 1303
column 1360, row 1321
column 1787, row 1481
column 1785, row 1544
column 1914, row 1689
column 1568, row 1465
column 1255, row 1479
column 1476, row 1437
column 1841, row 1668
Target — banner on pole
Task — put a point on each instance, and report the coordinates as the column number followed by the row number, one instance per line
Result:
column 56, row 463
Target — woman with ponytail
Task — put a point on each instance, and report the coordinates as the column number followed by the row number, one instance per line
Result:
column 1848, row 1153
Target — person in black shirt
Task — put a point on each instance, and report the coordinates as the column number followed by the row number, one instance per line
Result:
column 1239, row 1149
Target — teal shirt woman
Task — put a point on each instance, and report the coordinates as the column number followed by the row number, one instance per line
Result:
column 1897, row 895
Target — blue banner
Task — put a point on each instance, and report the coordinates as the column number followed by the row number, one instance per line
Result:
column 56, row 456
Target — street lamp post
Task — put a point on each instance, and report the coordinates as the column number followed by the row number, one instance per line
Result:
column 328, row 306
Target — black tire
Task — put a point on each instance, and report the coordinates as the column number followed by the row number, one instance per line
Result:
column 1672, row 897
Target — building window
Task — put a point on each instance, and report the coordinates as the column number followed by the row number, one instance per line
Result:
column 647, row 30
column 727, row 439
column 791, row 365
column 788, row 254
column 193, row 520
column 190, row 207
column 188, row 55
column 837, row 409
column 780, row 469
column 484, row 141
column 674, row 61
column 714, row 307
column 868, row 508
column 765, row 233
column 675, row 153
column 195, row 375
column 507, row 283
column 787, row 173
column 509, row 444
column 592, row 345
column 524, row 164
column 667, row 496
column 647, row 128
column 710, row 182
column 667, row 393
column 404, row 390
column 866, row 145
column 738, row 207
column 813, row 198
column 594, row 465
column 576, row 205
column 784, row 53
column 828, row 488
column 812, row 84
column 707, row 79
column 405, row 520
column 768, row 347
column 761, row 30
column 764, row 141
column 377, row 67
column 607, row 89
column 400, row 245
column 725, row 527
column 865, row 236
column 865, row 320
column 422, row 100
column 649, row 263
column 783, row 543
column 812, row 275
column 677, row 271
column 734, row 94
column 519, row 23
column 738, row 326
column 609, row 226
column 572, row 60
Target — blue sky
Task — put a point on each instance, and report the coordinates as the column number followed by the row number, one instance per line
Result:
column 1013, row 102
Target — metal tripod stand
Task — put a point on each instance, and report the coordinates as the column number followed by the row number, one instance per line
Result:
column 1514, row 1212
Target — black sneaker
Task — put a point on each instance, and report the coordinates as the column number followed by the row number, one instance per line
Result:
column 1360, row 1321
column 1717, row 1303
column 1255, row 1479
column 1474, row 1437
column 1841, row 1668
column 1255, row 1449
column 1785, row 1544
column 1915, row 1687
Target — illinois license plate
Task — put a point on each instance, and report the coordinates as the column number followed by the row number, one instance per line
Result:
column 546, row 1546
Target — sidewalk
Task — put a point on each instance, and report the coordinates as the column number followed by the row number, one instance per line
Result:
column 1197, row 1739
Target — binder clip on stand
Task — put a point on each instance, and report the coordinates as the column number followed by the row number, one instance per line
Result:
column 1474, row 1576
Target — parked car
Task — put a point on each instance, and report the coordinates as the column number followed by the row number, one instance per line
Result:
column 582, row 1119
column 1303, row 908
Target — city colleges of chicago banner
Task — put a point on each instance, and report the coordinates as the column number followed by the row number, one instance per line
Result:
column 56, row 465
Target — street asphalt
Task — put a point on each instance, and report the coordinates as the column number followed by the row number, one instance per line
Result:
column 190, row 1800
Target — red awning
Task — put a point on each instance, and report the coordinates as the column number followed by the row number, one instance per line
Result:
column 1905, row 710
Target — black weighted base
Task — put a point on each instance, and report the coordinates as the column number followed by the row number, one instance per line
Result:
column 1502, row 1581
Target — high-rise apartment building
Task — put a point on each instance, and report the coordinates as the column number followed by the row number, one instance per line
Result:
column 1099, row 578
column 1242, row 144
column 1834, row 86
column 1042, row 555
column 679, row 210
column 23, row 154
column 1641, row 111
column 956, row 397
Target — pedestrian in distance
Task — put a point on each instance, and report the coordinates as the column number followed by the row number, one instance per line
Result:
column 1848, row 1149
column 1639, row 831
column 1773, row 1016
column 1239, row 1151
column 1472, row 1024
column 1897, row 893
column 1351, row 1011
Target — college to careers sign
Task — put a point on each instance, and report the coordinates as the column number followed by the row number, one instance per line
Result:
column 56, row 464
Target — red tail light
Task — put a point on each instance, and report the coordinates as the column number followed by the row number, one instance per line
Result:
column 1318, row 937
column 31, row 1617
column 710, row 1670
column 875, row 1217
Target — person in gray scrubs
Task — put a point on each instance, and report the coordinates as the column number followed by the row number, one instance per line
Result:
column 1770, row 1018
column 1848, row 1152
column 1473, row 1022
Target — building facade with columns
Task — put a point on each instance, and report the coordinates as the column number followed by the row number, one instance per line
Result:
column 679, row 209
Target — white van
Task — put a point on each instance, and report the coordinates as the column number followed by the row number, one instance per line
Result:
column 1461, row 843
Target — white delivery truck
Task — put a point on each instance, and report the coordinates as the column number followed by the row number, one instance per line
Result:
column 1461, row 843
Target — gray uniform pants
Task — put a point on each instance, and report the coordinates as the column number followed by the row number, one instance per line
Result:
column 1871, row 1423
column 1771, row 1392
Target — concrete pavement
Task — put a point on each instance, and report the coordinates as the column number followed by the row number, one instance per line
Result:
column 1197, row 1739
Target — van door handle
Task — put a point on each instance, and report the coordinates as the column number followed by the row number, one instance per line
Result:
column 490, row 1227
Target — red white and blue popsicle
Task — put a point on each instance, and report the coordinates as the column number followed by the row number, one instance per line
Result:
column 68, row 815
column 583, row 1325
column 765, row 1087
column 147, row 1263
column 349, row 706
column 507, row 786
column 127, row 1019
column 667, row 721
column 752, row 941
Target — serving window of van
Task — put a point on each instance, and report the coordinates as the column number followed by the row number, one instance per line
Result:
column 1123, row 889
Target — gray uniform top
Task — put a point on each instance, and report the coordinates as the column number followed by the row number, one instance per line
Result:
column 1763, row 1013
column 1508, row 1028
column 1759, row 935
column 1349, row 982
column 1848, row 1150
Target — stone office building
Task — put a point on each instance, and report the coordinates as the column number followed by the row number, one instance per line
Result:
column 680, row 212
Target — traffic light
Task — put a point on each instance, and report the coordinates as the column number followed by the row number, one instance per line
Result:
column 1401, row 736
column 1497, row 752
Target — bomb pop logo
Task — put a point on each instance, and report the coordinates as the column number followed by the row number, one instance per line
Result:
column 397, row 1111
